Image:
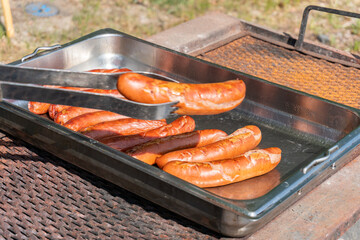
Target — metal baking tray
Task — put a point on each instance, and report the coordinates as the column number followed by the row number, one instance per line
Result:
column 317, row 136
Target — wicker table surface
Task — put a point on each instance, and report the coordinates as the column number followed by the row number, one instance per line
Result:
column 43, row 197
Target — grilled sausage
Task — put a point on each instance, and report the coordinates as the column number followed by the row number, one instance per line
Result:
column 242, row 140
column 92, row 118
column 181, row 125
column 149, row 151
column 38, row 107
column 221, row 172
column 65, row 115
column 126, row 126
column 194, row 99
column 54, row 109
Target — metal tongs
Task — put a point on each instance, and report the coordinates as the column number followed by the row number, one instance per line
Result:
column 24, row 83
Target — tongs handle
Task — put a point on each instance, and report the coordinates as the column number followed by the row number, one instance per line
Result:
column 66, row 78
column 86, row 99
column 60, row 77
column 24, row 83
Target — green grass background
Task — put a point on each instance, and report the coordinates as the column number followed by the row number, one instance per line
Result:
column 143, row 18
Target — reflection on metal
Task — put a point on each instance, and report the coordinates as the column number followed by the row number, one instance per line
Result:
column 40, row 9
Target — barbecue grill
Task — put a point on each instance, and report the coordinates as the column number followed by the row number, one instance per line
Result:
column 57, row 198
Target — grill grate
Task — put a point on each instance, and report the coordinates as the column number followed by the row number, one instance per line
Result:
column 289, row 68
column 42, row 197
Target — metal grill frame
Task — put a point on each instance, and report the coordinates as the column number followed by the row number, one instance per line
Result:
column 112, row 170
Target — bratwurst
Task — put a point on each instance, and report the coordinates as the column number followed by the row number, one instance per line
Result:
column 239, row 142
column 194, row 99
column 217, row 173
column 149, row 151
column 180, row 125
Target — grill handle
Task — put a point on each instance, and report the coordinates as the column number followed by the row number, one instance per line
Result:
column 300, row 41
column 47, row 48
column 321, row 159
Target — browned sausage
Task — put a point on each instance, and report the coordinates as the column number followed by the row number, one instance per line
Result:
column 126, row 126
column 194, row 99
column 250, row 188
column 181, row 125
column 92, row 118
column 54, row 109
column 65, row 115
column 242, row 140
column 221, row 172
column 149, row 151
column 38, row 107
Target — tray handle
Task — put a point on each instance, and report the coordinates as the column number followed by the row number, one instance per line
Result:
column 321, row 159
column 300, row 41
column 45, row 48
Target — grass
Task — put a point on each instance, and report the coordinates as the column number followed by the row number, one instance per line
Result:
column 143, row 18
column 356, row 46
column 355, row 28
column 2, row 31
column 183, row 9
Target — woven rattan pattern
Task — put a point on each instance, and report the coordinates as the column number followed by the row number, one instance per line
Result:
column 42, row 197
column 290, row 68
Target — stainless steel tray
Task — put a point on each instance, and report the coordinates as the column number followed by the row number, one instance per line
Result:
column 317, row 137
